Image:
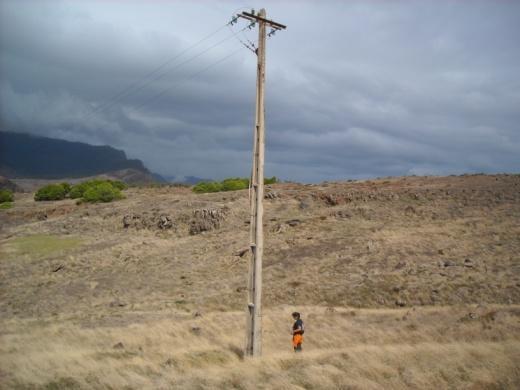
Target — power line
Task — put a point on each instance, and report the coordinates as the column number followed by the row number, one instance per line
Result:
column 250, row 45
column 141, row 84
column 164, row 91
column 159, row 76
column 167, row 62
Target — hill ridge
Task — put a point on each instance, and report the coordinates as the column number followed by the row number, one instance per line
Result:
column 30, row 156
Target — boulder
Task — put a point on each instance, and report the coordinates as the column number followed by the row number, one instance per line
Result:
column 204, row 220
column 145, row 221
column 270, row 194
column 165, row 222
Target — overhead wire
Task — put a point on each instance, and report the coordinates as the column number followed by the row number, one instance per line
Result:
column 250, row 46
column 145, row 81
column 165, row 63
column 156, row 74
column 193, row 75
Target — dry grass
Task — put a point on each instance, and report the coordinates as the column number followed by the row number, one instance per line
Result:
column 344, row 348
column 403, row 283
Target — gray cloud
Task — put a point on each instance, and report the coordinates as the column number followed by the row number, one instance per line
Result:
column 354, row 89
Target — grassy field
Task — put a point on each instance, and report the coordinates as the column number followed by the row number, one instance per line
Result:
column 6, row 205
column 427, row 348
column 402, row 283
column 39, row 245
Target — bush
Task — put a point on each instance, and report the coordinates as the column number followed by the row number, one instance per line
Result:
column 52, row 192
column 6, row 196
column 207, row 186
column 66, row 186
column 234, row 184
column 270, row 180
column 118, row 184
column 79, row 190
column 91, row 191
column 230, row 184
column 102, row 192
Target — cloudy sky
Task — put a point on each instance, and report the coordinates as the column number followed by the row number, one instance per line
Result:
column 354, row 89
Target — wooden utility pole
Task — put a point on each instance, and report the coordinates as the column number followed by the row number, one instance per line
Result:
column 254, row 288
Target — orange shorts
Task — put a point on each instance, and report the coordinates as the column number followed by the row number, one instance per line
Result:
column 297, row 339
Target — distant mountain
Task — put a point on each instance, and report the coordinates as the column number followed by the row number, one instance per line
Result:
column 184, row 179
column 169, row 178
column 193, row 179
column 159, row 178
column 133, row 176
column 29, row 156
column 6, row 184
column 129, row 176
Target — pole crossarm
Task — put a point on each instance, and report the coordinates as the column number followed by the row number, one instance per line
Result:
column 252, row 17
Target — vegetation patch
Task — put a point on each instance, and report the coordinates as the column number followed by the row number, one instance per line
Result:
column 102, row 192
column 42, row 244
column 79, row 190
column 6, row 205
column 230, row 184
column 6, row 196
column 52, row 192
column 88, row 191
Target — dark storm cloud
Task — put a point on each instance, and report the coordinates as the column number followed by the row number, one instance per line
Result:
column 354, row 89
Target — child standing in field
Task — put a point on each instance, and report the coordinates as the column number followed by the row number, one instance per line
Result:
column 297, row 332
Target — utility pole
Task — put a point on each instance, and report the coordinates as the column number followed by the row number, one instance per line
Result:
column 254, row 288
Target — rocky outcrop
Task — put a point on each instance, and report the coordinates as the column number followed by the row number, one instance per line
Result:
column 151, row 222
column 204, row 220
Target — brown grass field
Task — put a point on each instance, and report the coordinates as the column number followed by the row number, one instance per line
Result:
column 402, row 283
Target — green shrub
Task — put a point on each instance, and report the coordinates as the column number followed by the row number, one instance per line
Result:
column 6, row 196
column 102, row 192
column 118, row 184
column 230, row 184
column 66, row 186
column 96, row 190
column 234, row 184
column 6, row 205
column 78, row 191
column 207, row 186
column 52, row 192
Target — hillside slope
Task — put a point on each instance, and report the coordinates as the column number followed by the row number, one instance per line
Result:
column 403, row 282
column 129, row 176
column 29, row 156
